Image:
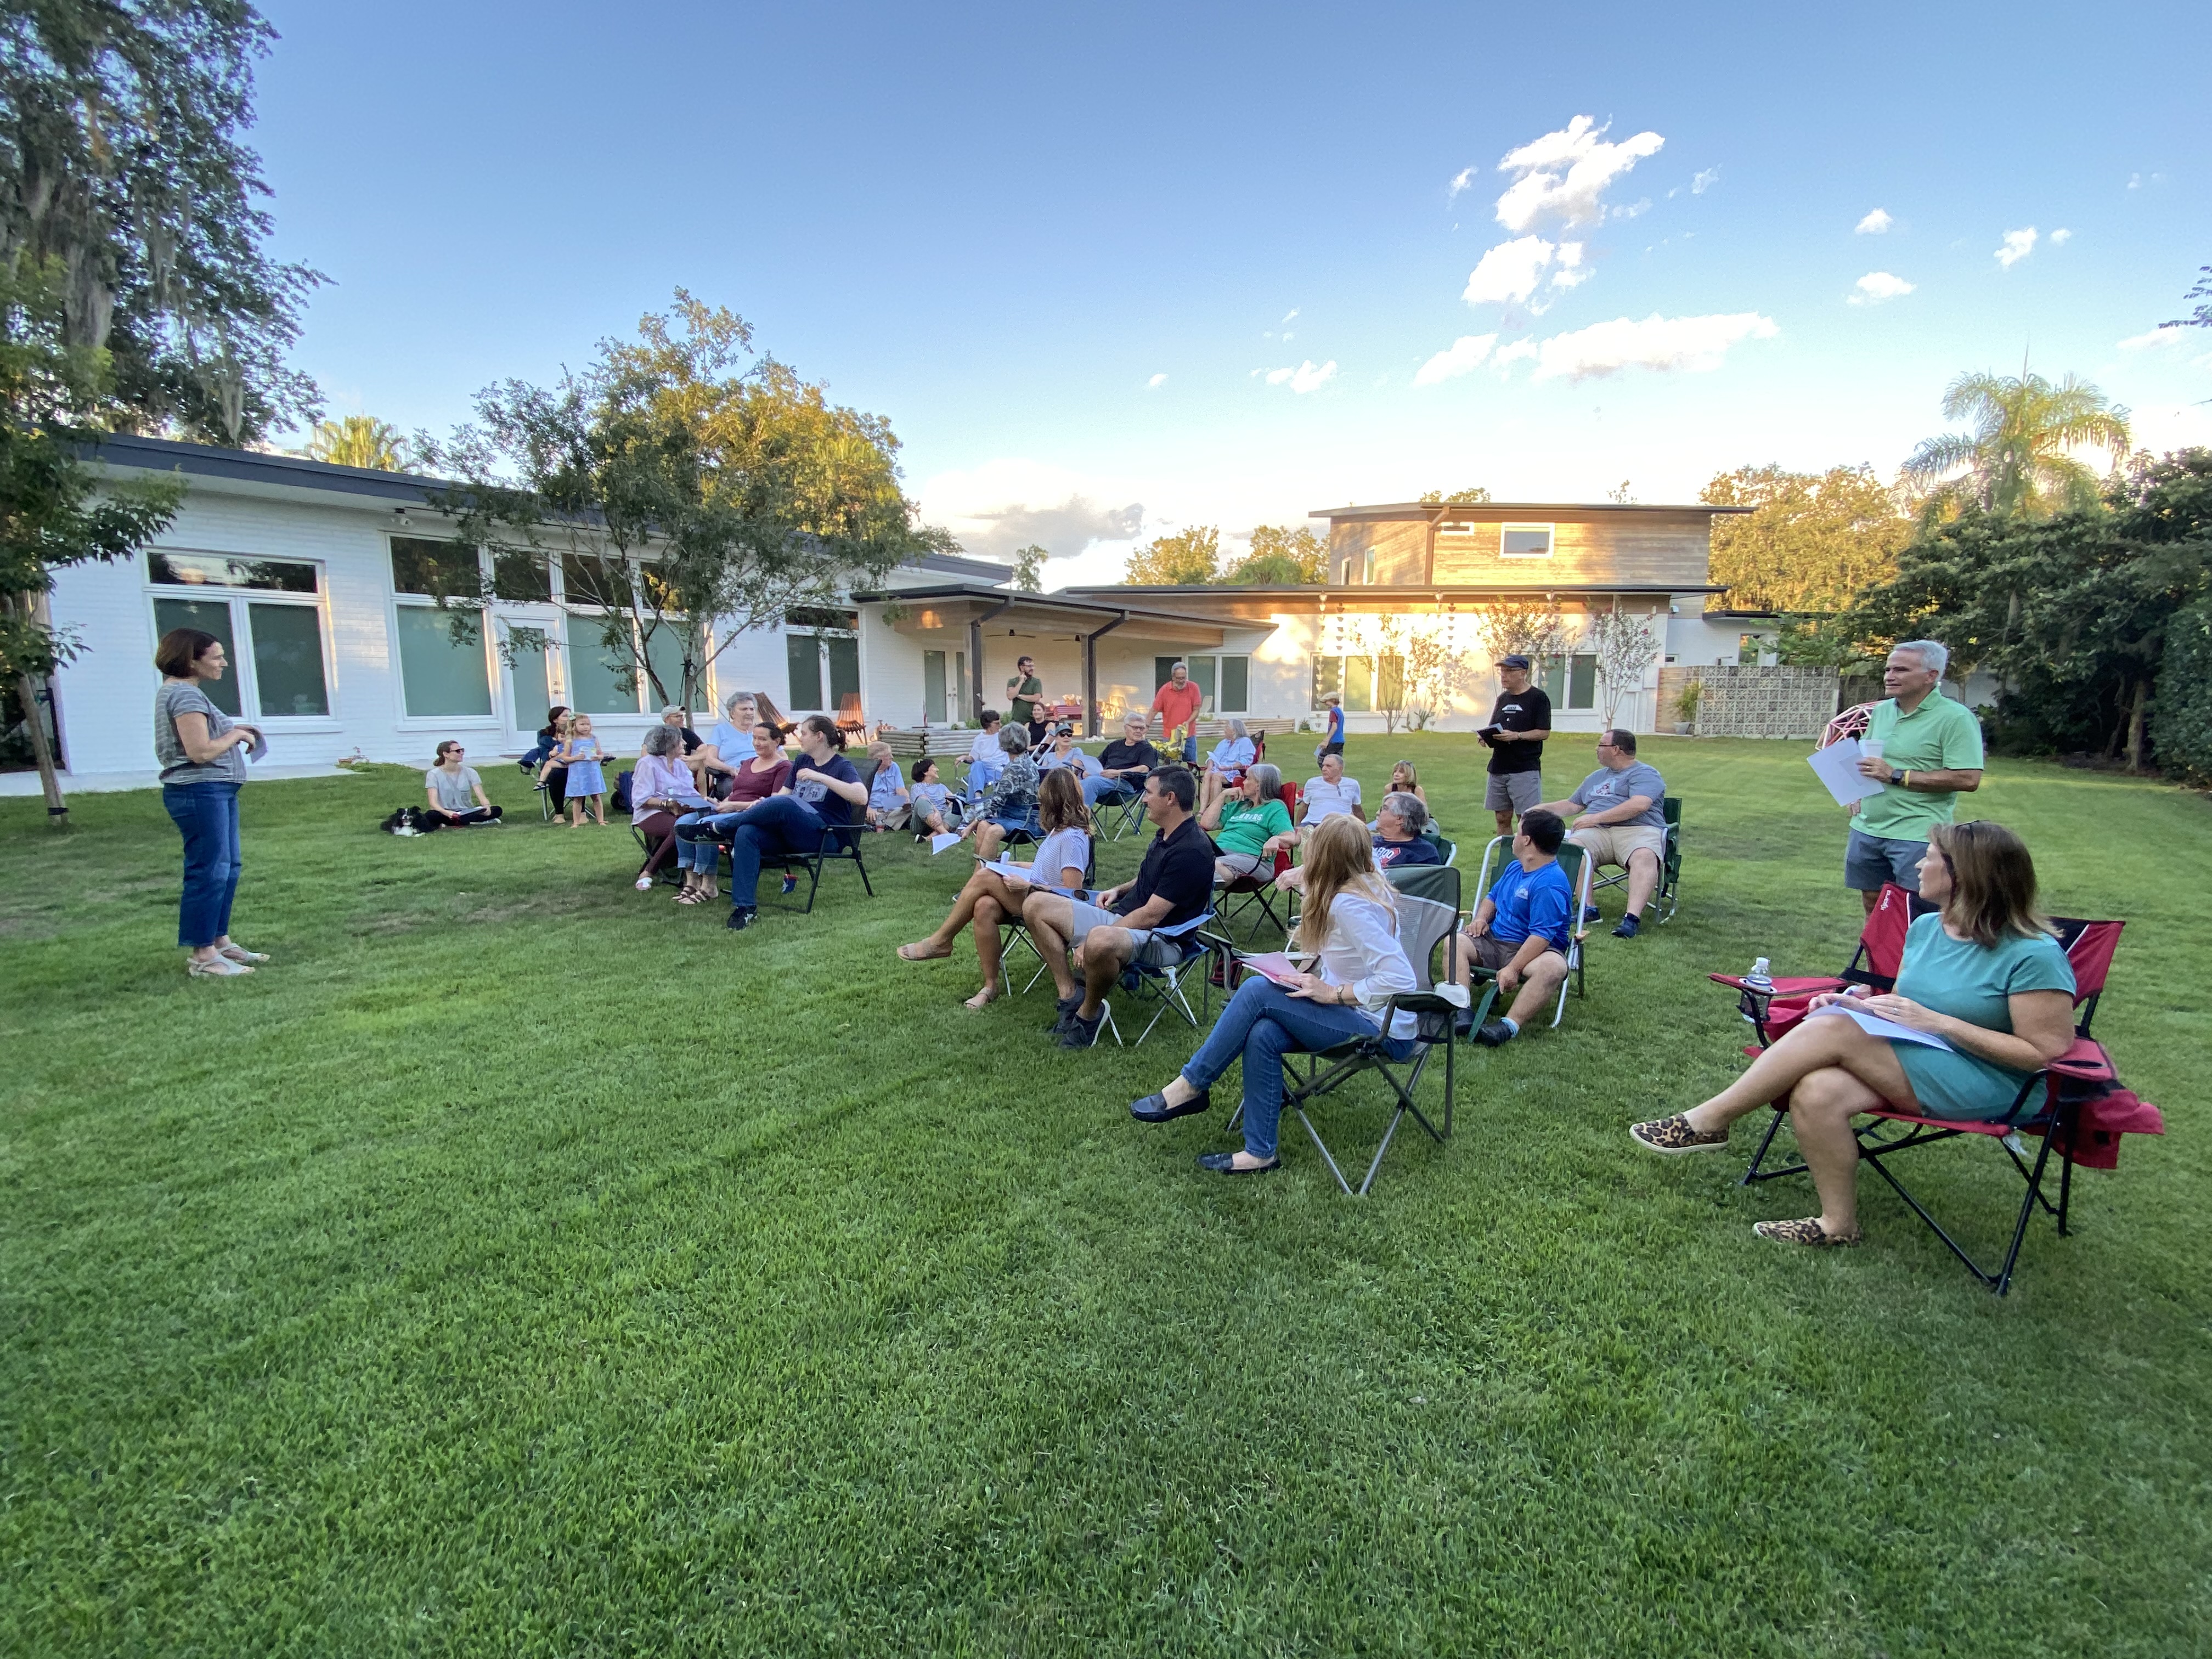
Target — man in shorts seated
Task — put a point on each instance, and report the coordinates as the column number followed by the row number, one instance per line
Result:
column 1111, row 929
column 1621, row 822
column 1520, row 930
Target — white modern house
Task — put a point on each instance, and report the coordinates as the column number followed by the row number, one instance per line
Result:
column 320, row 580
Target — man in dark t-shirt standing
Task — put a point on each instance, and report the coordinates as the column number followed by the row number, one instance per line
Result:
column 1519, row 722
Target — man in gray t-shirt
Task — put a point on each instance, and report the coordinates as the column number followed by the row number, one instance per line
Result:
column 1616, row 816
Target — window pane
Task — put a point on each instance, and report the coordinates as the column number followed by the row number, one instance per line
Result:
column 589, row 580
column 818, row 616
column 1581, row 681
column 1359, row 685
column 1390, row 693
column 1162, row 669
column 436, row 674
column 844, row 674
column 597, row 670
column 665, row 651
column 1201, row 675
column 1236, row 678
column 441, row 569
column 212, row 569
column 933, row 685
column 526, row 578
column 288, row 658
column 209, row 616
column 533, row 689
column 804, row 653
column 1524, row 541
column 1555, row 681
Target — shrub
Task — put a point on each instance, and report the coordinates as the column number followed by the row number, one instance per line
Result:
column 2181, row 721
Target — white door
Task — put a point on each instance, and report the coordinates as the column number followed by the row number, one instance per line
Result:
column 531, row 679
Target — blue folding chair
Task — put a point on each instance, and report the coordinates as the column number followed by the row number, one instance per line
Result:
column 1163, row 985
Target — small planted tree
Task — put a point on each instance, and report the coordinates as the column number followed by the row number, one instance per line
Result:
column 1626, row 645
column 1522, row 628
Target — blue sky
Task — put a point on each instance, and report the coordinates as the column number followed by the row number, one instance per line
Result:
column 1000, row 227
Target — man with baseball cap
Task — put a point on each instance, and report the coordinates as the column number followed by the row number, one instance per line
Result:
column 1520, row 721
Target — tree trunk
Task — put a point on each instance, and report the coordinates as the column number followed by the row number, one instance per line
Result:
column 49, row 779
column 2135, row 726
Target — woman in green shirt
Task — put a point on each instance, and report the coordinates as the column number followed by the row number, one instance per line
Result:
column 1983, row 974
column 1248, row 823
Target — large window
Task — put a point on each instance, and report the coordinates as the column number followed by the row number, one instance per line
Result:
column 441, row 676
column 1365, row 684
column 1226, row 681
column 434, row 568
column 267, row 612
column 821, row 650
column 1571, row 681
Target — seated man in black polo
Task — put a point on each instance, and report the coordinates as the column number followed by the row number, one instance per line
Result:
column 1121, row 765
column 1120, row 926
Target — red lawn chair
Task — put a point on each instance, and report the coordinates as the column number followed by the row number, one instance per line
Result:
column 2076, row 1105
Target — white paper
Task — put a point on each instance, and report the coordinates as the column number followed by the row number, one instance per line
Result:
column 938, row 843
column 1838, row 767
column 259, row 747
column 1875, row 1025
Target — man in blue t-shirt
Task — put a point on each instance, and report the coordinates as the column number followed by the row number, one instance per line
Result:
column 1620, row 818
column 1521, row 928
column 1332, row 740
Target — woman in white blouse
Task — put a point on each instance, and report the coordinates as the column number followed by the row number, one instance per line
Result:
column 993, row 894
column 1350, row 927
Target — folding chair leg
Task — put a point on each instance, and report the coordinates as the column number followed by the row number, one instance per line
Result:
column 1754, row 1173
column 1322, row 1146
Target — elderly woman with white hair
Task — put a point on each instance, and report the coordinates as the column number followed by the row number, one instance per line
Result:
column 1225, row 766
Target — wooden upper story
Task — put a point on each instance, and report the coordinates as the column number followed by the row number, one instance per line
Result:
column 1536, row 546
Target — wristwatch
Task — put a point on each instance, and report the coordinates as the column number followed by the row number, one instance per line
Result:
column 1896, row 776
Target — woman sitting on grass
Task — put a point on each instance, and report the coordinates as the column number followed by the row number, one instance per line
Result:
column 1983, row 973
column 455, row 792
column 889, row 804
column 992, row 895
column 1350, row 924
column 1250, row 824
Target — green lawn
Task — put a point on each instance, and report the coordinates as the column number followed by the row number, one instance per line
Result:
column 522, row 1265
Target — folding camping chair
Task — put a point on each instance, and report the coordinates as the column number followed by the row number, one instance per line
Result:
column 2050, row 1103
column 1015, row 930
column 1428, row 918
column 1670, row 864
column 1774, row 1008
column 1163, row 985
column 1234, row 897
column 1577, row 864
column 840, row 844
column 1129, row 814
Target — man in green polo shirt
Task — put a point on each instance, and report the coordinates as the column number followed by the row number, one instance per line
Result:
column 1929, row 754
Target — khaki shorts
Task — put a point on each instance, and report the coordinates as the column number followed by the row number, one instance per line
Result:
column 1490, row 953
column 1612, row 843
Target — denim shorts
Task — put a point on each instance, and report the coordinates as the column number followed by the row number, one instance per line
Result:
column 1869, row 861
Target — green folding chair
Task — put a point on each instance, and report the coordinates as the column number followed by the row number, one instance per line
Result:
column 1663, row 900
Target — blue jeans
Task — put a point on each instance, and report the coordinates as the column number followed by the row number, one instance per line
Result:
column 207, row 813
column 782, row 823
column 699, row 838
column 1102, row 788
column 1261, row 1024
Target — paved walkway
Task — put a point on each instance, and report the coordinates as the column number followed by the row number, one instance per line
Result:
column 103, row 783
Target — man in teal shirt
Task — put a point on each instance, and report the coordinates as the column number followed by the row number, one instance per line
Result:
column 1929, row 754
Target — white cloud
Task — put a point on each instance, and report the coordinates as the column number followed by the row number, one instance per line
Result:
column 2161, row 335
column 1287, row 315
column 1874, row 224
column 1305, row 377
column 1693, row 343
column 1156, row 381
column 1564, row 175
column 1705, row 181
column 1508, row 273
column 1573, row 272
column 1464, row 355
column 2018, row 245
column 1634, row 209
column 1876, row 286
column 2061, row 236
column 1006, row 504
column 1465, row 177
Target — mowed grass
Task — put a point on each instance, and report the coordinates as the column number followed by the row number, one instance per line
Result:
column 523, row 1265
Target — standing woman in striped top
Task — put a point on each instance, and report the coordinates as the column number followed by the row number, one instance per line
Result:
column 202, row 752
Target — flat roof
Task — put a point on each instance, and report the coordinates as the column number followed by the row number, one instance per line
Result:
column 1446, row 509
column 1416, row 591
column 1067, row 598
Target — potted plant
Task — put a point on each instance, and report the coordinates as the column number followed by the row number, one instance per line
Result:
column 1685, row 707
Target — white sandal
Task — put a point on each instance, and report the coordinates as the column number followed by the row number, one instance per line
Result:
column 240, row 953
column 215, row 967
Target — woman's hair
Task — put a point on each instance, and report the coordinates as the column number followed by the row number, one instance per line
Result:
column 775, row 732
column 1407, row 807
column 1339, row 858
column 553, row 720
column 921, row 769
column 1268, row 776
column 1060, row 801
column 1992, row 882
column 1014, row 739
column 1412, row 774
column 450, row 743
column 180, row 649
column 730, row 703
column 879, row 753
column 1236, row 730
column 825, row 728
column 662, row 740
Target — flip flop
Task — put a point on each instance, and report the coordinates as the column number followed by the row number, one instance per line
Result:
column 905, row 955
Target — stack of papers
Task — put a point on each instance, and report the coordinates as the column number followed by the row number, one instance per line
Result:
column 938, row 843
column 1875, row 1025
column 1838, row 767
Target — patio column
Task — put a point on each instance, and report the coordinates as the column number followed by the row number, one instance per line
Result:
column 975, row 660
column 1091, row 674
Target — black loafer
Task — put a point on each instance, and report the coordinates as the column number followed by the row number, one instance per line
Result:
column 1154, row 1108
column 1225, row 1163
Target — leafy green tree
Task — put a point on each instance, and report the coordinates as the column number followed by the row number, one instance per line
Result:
column 2202, row 317
column 359, row 440
column 2182, row 728
column 54, row 510
column 1281, row 555
column 1189, row 558
column 1473, row 495
column 1812, row 541
column 1029, row 569
column 121, row 163
column 2014, row 459
column 684, row 481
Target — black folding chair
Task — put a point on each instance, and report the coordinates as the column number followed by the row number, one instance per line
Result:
column 1428, row 919
column 840, row 844
column 1162, row 986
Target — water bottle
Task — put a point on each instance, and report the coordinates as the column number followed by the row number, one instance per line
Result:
column 1758, row 979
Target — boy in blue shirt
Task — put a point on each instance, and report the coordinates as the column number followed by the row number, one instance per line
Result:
column 1520, row 928
column 1332, row 741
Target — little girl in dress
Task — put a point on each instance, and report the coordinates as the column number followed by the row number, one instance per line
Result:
column 580, row 754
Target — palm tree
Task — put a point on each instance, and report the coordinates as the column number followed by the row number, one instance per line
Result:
column 359, row 441
column 2015, row 459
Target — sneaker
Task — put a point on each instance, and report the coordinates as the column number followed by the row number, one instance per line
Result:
column 790, row 882
column 1062, row 1008
column 1591, row 913
column 645, row 884
column 741, row 918
column 1628, row 929
column 1674, row 1134
column 1081, row 1033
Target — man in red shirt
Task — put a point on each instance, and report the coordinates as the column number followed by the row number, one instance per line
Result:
column 1176, row 703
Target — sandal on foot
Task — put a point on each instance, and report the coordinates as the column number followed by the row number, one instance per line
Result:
column 913, row 952
column 1674, row 1134
column 1808, row 1232
column 691, row 896
column 982, row 999
column 240, row 953
column 216, row 968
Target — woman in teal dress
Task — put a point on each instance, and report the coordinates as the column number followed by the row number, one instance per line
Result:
column 1983, row 973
